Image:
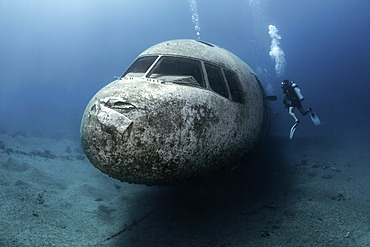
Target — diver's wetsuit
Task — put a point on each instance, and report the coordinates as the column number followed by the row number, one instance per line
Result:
column 291, row 101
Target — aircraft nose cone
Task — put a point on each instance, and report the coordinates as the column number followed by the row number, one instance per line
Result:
column 134, row 139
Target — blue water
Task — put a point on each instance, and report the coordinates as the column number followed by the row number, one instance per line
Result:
column 312, row 191
column 55, row 55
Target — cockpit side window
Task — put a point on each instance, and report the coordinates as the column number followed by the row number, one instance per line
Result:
column 141, row 65
column 234, row 86
column 216, row 80
column 178, row 66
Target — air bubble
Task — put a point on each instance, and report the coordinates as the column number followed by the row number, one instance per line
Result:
column 195, row 17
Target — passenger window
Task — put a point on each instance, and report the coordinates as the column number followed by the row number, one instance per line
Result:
column 216, row 80
column 234, row 86
column 141, row 65
column 177, row 66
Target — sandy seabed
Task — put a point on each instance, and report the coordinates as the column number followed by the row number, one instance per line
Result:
column 311, row 191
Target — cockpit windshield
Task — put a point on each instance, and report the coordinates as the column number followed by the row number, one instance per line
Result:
column 188, row 69
column 190, row 72
column 140, row 66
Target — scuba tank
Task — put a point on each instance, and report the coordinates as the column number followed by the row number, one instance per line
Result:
column 297, row 91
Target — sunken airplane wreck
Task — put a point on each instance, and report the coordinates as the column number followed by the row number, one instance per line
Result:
column 183, row 108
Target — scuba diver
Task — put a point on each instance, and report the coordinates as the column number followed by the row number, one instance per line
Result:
column 293, row 99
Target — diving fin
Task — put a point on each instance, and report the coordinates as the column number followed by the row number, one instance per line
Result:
column 292, row 130
column 315, row 119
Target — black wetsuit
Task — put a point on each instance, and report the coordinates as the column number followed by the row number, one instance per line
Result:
column 291, row 100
